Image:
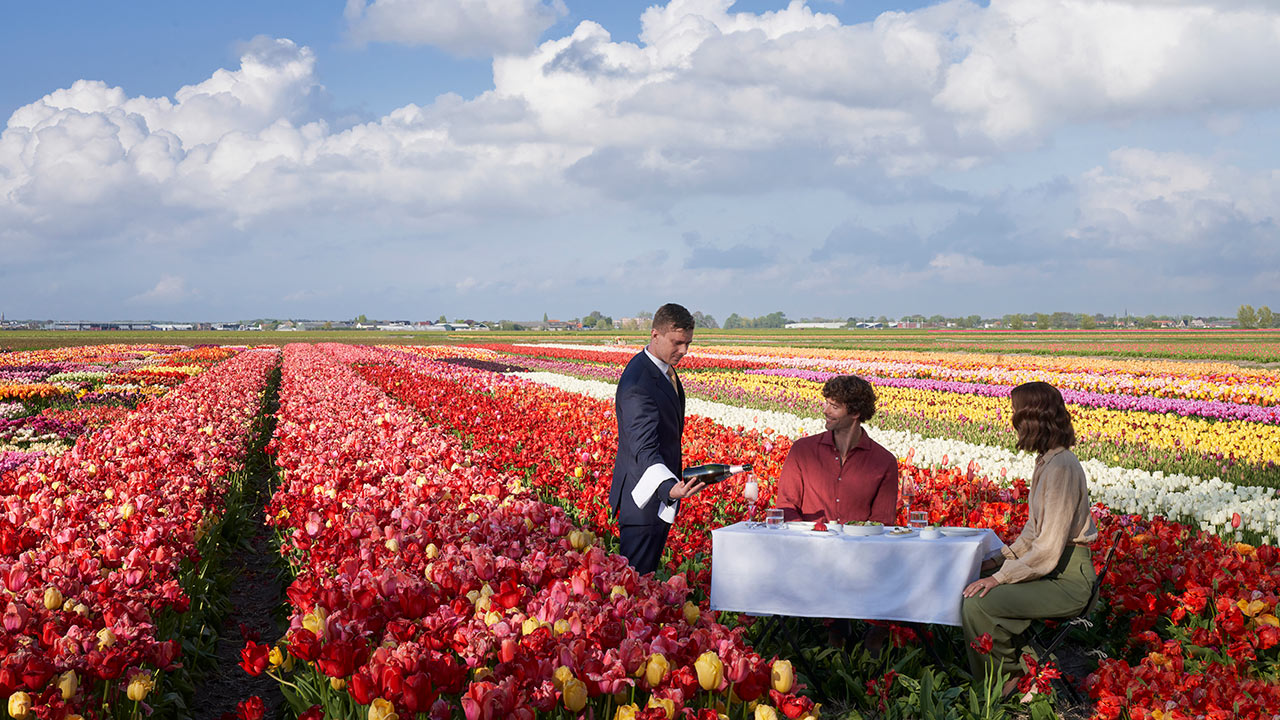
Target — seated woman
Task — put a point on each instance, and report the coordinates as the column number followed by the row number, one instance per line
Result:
column 1048, row 571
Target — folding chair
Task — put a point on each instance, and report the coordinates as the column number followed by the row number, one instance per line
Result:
column 1082, row 619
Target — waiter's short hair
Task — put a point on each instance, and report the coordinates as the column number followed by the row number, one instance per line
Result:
column 856, row 394
column 672, row 315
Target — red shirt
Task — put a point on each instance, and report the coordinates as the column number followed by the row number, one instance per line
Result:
column 815, row 482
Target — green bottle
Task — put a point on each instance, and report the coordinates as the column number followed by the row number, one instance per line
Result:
column 712, row 473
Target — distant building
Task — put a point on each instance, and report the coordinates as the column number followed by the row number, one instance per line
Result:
column 814, row 325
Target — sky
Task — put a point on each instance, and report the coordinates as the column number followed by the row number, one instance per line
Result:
column 502, row 159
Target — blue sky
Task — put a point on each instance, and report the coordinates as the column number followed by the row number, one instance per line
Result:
column 407, row 159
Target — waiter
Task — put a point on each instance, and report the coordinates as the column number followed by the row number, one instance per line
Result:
column 646, row 486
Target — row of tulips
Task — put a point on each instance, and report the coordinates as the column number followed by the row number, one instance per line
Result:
column 99, row 547
column 429, row 582
column 1247, row 448
column 49, row 397
column 1220, row 382
column 1108, row 437
column 1222, row 613
column 1205, row 501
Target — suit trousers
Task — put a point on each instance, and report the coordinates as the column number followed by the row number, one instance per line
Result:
column 642, row 545
column 1006, row 611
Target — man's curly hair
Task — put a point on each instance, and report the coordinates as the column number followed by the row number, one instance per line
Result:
column 856, row 394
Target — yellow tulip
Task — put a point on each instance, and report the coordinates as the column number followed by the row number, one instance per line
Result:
column 710, row 670
column 575, row 694
column 52, row 598
column 381, row 709
column 19, row 705
column 68, row 683
column 275, row 657
column 782, row 676
column 139, row 687
column 656, row 669
column 626, row 712
column 691, row 613
column 766, row 712
column 315, row 622
column 337, row 683
column 667, row 705
column 106, row 638
column 561, row 675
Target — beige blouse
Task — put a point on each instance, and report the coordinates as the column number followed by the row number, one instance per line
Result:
column 1058, row 516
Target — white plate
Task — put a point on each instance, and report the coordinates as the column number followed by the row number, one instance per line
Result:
column 863, row 530
column 960, row 531
column 799, row 524
column 909, row 533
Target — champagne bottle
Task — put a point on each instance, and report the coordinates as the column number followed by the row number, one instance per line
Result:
column 713, row 472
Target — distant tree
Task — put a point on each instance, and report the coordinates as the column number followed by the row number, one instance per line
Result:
column 644, row 315
column 1063, row 320
column 733, row 322
column 1043, row 321
column 597, row 321
column 1186, row 320
column 772, row 320
column 442, row 319
column 544, row 318
column 361, row 319
column 1247, row 317
column 974, row 320
column 1015, row 322
column 1266, row 318
column 937, row 320
column 1087, row 322
column 705, row 321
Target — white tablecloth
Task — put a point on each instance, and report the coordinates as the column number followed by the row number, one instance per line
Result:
column 808, row 574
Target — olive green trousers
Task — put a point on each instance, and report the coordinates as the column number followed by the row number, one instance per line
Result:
column 1006, row 611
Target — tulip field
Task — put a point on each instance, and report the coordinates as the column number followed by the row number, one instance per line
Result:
column 441, row 524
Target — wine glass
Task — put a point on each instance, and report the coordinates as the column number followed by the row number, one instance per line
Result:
column 751, row 493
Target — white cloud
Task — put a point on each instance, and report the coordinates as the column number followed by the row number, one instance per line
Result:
column 462, row 27
column 1169, row 199
column 707, row 102
column 170, row 289
column 1030, row 66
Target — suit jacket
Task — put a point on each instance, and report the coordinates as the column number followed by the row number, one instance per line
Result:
column 650, row 423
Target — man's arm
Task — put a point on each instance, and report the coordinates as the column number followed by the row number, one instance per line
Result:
column 638, row 419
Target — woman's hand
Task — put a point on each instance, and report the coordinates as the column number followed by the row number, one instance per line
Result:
column 980, row 587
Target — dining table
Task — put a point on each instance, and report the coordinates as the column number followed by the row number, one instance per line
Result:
column 800, row 572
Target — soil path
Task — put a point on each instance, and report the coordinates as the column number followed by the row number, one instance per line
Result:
column 256, row 595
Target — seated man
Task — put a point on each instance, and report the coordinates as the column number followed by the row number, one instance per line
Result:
column 841, row 475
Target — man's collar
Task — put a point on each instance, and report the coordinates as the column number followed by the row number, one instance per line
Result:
column 828, row 437
column 662, row 367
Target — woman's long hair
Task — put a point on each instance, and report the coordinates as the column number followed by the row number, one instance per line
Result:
column 1040, row 418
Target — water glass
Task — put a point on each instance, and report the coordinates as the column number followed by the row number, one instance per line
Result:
column 773, row 518
column 919, row 518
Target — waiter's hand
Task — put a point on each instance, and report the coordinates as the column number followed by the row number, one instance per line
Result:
column 980, row 587
column 685, row 488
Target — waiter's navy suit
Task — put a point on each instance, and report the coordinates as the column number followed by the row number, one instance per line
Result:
column 650, row 424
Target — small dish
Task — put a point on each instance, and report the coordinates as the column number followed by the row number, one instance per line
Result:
column 803, row 525
column 901, row 532
column 930, row 533
column 960, row 531
column 863, row 530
